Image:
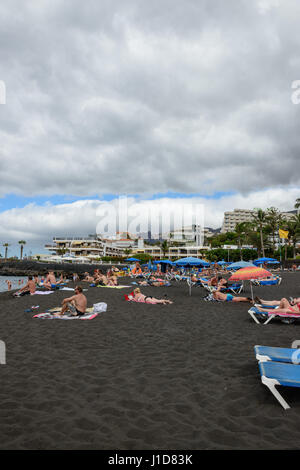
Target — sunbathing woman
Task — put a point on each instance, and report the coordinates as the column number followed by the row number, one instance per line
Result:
column 228, row 297
column 139, row 297
column 284, row 305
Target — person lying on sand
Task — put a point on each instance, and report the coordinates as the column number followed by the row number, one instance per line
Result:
column 228, row 297
column 88, row 278
column 152, row 281
column 76, row 304
column 139, row 297
column 284, row 305
column 29, row 288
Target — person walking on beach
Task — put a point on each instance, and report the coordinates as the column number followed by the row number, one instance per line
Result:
column 76, row 304
column 8, row 284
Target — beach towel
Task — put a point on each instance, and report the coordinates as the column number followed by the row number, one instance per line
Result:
column 43, row 292
column 67, row 316
column 90, row 313
column 115, row 287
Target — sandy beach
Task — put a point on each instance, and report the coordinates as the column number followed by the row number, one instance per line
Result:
column 181, row 376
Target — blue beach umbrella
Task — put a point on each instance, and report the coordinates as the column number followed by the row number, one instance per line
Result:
column 240, row 265
column 133, row 260
column 222, row 263
column 190, row 262
column 259, row 261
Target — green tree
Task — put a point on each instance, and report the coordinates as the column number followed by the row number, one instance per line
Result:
column 164, row 246
column 273, row 219
column 260, row 220
column 240, row 232
column 293, row 228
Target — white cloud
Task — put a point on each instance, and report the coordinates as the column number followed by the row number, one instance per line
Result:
column 40, row 223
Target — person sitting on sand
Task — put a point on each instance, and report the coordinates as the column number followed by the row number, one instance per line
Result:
column 50, row 281
column 29, row 288
column 76, row 304
column 112, row 281
column 101, row 280
column 139, row 297
column 284, row 306
column 217, row 295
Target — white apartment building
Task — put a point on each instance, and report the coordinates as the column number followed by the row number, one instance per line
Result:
column 173, row 253
column 238, row 216
column 84, row 246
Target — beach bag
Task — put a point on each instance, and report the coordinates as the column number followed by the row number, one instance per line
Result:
column 100, row 307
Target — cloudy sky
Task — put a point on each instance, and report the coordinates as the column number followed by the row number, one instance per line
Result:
column 156, row 100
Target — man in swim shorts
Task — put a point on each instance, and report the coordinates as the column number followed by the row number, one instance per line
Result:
column 75, row 304
column 217, row 295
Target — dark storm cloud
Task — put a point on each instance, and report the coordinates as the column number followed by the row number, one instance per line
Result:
column 144, row 97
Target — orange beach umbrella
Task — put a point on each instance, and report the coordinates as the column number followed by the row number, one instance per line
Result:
column 246, row 274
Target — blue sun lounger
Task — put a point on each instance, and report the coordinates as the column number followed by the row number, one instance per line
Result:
column 267, row 353
column 278, row 366
column 279, row 373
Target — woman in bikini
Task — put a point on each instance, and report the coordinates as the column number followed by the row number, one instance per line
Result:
column 284, row 306
column 139, row 297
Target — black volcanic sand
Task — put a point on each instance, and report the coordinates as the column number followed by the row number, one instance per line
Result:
column 143, row 376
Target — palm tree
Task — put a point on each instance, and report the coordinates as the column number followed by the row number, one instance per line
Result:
column 22, row 243
column 127, row 251
column 6, row 245
column 260, row 220
column 240, row 232
column 293, row 235
column 297, row 204
column 273, row 219
column 164, row 247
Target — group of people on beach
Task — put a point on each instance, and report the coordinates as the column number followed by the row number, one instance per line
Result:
column 100, row 279
column 77, row 303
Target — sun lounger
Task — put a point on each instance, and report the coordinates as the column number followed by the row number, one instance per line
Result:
column 268, row 316
column 267, row 353
column 267, row 282
column 279, row 373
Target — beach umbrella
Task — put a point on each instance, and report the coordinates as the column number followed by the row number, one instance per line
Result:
column 190, row 262
column 163, row 261
column 133, row 260
column 222, row 263
column 265, row 261
column 250, row 273
column 240, row 265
